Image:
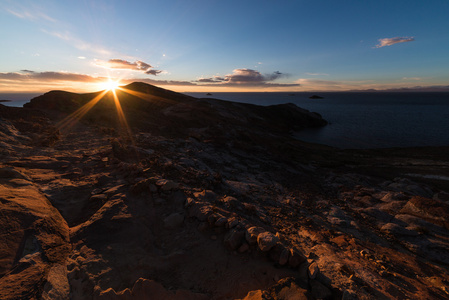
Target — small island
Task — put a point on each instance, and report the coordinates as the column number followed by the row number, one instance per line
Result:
column 316, row 97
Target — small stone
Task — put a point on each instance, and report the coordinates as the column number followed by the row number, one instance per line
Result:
column 99, row 198
column 114, row 190
column 206, row 195
column 189, row 202
column 96, row 191
column 232, row 202
column 266, row 241
column 384, row 273
column 252, row 233
column 364, row 253
column 212, row 219
column 221, row 222
column 232, row 222
column 313, row 270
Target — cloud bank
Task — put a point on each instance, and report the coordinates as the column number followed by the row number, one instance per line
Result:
column 34, row 81
column 138, row 65
column 31, row 81
column 392, row 41
column 245, row 78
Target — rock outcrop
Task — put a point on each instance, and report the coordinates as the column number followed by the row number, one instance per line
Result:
column 34, row 239
column 207, row 199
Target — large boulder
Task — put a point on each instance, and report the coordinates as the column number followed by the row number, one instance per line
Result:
column 266, row 241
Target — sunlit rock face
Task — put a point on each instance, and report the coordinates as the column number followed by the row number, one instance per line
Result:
column 34, row 238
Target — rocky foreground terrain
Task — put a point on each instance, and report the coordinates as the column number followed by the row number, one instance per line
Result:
column 165, row 196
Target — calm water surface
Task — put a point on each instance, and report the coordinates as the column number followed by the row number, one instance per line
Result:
column 366, row 120
column 356, row 120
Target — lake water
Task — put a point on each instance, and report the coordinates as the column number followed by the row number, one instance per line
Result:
column 17, row 100
column 366, row 120
column 356, row 120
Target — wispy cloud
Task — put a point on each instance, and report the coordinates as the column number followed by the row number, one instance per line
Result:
column 246, row 77
column 32, row 15
column 391, row 41
column 138, row 65
column 214, row 79
column 78, row 43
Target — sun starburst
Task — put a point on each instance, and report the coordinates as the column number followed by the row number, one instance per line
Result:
column 110, row 85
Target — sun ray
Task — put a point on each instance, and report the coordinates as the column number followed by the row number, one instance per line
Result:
column 124, row 128
column 74, row 117
column 121, row 116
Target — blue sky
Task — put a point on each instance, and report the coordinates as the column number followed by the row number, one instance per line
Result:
column 244, row 45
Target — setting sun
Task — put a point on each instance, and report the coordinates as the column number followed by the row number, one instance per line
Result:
column 109, row 85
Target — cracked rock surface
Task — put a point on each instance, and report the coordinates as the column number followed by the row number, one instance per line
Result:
column 220, row 209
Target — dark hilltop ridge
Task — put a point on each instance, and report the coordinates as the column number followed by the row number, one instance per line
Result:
column 159, row 195
column 151, row 109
